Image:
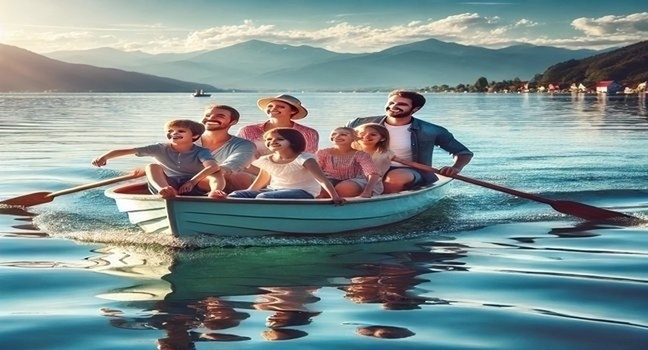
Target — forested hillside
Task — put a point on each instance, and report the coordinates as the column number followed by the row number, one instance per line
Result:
column 628, row 65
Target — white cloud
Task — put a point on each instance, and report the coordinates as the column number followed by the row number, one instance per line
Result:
column 613, row 25
column 222, row 36
column 526, row 23
column 341, row 36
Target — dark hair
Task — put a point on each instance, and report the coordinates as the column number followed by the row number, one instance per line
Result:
column 235, row 114
column 196, row 128
column 417, row 99
column 296, row 139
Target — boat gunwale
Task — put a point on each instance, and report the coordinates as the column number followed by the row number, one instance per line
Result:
column 117, row 192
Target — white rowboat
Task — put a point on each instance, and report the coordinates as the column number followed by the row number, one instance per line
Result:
column 185, row 216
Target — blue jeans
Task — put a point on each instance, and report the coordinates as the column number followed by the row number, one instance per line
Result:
column 269, row 193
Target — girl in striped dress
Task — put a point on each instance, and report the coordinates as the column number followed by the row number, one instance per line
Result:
column 351, row 171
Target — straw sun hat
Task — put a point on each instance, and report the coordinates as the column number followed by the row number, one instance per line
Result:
column 293, row 101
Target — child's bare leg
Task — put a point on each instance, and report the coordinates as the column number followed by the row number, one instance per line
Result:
column 396, row 179
column 214, row 184
column 323, row 194
column 238, row 181
column 158, row 179
column 348, row 189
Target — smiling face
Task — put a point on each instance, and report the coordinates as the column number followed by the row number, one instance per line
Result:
column 275, row 142
column 218, row 119
column 280, row 110
column 181, row 127
column 373, row 136
column 179, row 135
column 369, row 137
column 279, row 139
column 399, row 107
column 342, row 136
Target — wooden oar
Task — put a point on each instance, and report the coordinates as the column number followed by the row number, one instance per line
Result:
column 580, row 210
column 36, row 198
column 577, row 209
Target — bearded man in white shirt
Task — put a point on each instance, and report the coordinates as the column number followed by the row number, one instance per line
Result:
column 414, row 139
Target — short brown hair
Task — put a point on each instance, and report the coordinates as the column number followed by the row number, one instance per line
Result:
column 235, row 114
column 196, row 128
column 417, row 99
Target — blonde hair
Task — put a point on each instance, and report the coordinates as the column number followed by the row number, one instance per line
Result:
column 382, row 145
column 347, row 128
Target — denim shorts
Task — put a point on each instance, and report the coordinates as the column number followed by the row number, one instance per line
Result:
column 362, row 183
column 419, row 178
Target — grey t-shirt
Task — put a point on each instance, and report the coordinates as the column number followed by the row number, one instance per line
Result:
column 236, row 154
column 176, row 163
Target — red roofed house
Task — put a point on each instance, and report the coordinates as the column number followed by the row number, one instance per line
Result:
column 608, row 87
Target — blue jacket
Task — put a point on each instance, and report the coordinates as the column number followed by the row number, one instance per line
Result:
column 425, row 136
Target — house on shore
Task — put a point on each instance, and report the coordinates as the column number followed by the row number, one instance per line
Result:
column 578, row 89
column 608, row 87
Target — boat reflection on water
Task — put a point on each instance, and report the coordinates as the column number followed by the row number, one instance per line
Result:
column 207, row 294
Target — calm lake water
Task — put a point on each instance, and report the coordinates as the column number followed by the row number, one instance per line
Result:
column 480, row 270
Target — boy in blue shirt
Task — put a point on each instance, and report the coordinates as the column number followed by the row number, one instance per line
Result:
column 181, row 165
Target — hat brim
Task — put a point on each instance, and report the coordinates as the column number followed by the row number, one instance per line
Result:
column 301, row 111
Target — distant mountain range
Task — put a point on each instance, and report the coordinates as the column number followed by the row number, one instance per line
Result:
column 258, row 65
column 261, row 66
column 25, row 71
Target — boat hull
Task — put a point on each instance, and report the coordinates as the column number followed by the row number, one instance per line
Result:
column 189, row 216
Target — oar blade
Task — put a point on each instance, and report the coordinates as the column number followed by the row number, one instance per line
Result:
column 591, row 213
column 28, row 200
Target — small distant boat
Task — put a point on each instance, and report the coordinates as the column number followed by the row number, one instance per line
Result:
column 185, row 216
column 200, row 93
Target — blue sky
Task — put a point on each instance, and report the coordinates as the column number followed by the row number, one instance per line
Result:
column 159, row 26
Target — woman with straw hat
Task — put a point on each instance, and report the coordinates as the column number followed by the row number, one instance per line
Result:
column 282, row 111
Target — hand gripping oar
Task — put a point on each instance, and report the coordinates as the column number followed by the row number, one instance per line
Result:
column 36, row 198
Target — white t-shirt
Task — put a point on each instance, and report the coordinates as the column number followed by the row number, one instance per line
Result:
column 400, row 142
column 382, row 160
column 291, row 175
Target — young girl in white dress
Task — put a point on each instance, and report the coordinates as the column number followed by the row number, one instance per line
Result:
column 287, row 172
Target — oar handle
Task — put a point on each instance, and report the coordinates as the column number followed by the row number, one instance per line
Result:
column 113, row 180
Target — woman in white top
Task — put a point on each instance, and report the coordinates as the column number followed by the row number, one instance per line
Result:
column 287, row 172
